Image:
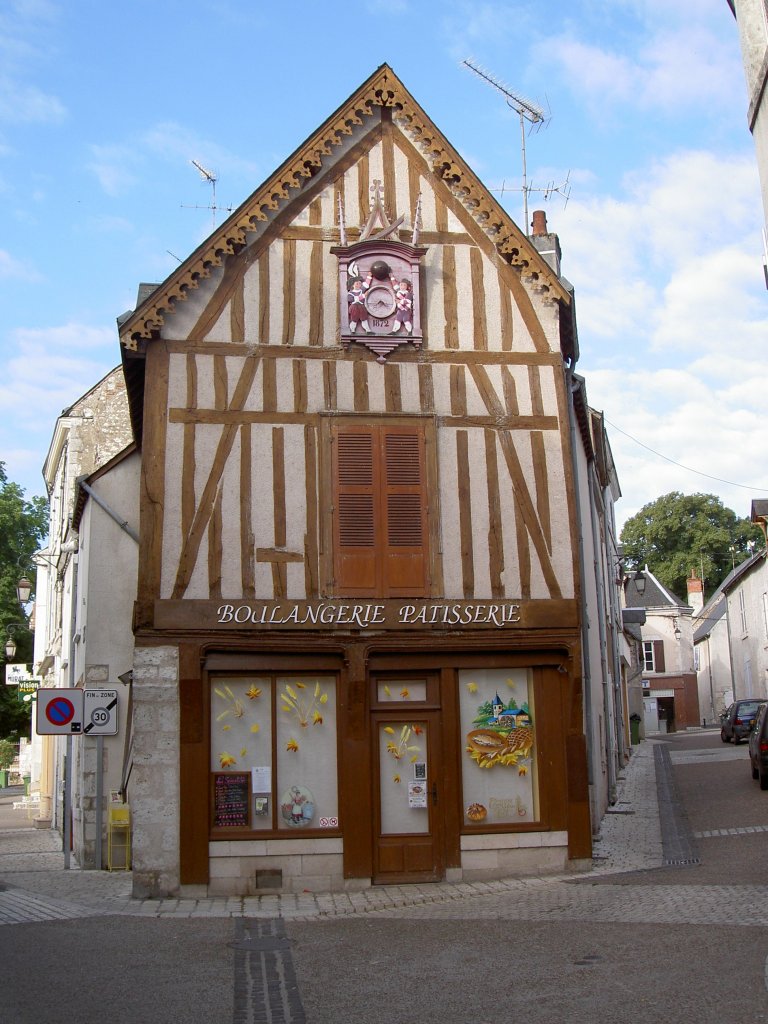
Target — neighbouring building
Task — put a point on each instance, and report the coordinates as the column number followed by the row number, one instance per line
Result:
column 712, row 654
column 731, row 632
column 752, row 19
column 376, row 526
column 746, row 598
column 670, row 690
column 105, row 520
column 88, row 436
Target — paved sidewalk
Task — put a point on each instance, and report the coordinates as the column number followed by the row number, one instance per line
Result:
column 34, row 885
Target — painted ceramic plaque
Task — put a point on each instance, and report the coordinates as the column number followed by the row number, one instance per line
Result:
column 297, row 807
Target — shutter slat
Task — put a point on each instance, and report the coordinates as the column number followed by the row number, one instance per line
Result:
column 355, row 460
column 404, row 520
column 403, row 464
column 355, row 519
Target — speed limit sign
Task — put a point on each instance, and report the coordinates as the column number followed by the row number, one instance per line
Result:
column 99, row 712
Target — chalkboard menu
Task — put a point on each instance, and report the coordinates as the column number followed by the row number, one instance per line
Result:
column 231, row 799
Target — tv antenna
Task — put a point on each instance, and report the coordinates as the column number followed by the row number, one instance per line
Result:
column 211, row 178
column 526, row 111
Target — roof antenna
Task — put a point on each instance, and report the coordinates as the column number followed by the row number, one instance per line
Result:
column 525, row 110
column 211, row 178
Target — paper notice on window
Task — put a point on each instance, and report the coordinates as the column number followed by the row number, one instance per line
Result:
column 261, row 780
column 417, row 794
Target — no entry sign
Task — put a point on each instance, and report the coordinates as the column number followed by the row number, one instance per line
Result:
column 59, row 712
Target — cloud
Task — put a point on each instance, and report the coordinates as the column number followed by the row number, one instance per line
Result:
column 714, row 439
column 14, row 269
column 21, row 103
column 174, row 141
column 45, row 370
column 119, row 167
column 112, row 166
column 672, row 325
column 651, row 78
column 23, row 47
column 667, row 263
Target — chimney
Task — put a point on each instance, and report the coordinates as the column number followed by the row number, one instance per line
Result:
column 547, row 243
column 695, row 592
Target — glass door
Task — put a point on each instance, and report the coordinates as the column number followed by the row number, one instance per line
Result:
column 408, row 845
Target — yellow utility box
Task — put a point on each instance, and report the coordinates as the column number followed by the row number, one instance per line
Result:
column 119, row 837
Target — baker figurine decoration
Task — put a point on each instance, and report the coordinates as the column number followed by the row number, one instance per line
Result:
column 358, row 314
column 404, row 299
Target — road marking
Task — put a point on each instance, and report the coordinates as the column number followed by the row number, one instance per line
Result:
column 745, row 831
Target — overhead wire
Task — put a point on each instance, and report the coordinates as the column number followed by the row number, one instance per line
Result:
column 689, row 469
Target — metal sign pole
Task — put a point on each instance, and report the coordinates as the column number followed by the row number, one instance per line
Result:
column 99, row 799
column 68, row 803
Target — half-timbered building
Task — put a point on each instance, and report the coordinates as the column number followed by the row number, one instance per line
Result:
column 358, row 631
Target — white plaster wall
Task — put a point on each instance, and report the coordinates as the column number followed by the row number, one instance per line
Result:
column 750, row 645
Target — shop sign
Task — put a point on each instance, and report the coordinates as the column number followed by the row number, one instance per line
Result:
column 370, row 616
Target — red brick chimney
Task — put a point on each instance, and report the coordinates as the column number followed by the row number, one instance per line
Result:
column 695, row 592
column 545, row 241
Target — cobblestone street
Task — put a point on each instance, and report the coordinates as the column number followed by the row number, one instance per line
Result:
column 622, row 931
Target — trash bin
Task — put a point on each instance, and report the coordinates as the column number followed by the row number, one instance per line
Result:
column 634, row 729
column 4, row 778
column 27, row 780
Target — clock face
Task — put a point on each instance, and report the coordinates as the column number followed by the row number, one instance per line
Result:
column 380, row 301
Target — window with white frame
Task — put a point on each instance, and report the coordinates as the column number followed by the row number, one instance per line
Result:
column 653, row 656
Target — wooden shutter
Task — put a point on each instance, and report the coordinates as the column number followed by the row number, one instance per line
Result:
column 658, row 656
column 355, row 511
column 404, row 503
column 380, row 525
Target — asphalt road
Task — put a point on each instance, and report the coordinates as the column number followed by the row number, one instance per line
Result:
column 675, row 944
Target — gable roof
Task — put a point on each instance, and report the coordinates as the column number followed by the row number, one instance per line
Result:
column 655, row 594
column 382, row 90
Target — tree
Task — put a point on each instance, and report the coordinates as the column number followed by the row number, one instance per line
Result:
column 23, row 526
column 678, row 533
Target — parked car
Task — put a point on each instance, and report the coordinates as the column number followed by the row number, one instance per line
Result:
column 758, row 747
column 738, row 720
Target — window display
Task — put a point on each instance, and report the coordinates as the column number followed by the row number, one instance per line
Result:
column 277, row 733
column 499, row 771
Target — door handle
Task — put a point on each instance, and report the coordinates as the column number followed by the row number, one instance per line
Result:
column 434, row 793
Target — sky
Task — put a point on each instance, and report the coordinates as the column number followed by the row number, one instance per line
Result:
column 104, row 106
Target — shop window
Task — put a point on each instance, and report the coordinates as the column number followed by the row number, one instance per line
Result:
column 499, row 762
column 273, row 753
column 380, row 511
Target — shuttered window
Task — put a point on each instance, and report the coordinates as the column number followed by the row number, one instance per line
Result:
column 380, row 529
column 653, row 656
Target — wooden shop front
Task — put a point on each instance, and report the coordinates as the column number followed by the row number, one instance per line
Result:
column 393, row 752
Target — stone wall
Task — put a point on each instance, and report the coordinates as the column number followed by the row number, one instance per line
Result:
column 153, row 790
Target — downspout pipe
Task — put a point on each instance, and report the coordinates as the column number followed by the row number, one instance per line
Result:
column 587, row 672
column 122, row 523
column 72, row 682
column 610, row 706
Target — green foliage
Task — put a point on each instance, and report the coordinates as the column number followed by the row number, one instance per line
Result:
column 23, row 527
column 678, row 533
column 7, row 754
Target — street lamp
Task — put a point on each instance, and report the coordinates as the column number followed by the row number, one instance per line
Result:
column 639, row 580
column 24, row 590
column 10, row 643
